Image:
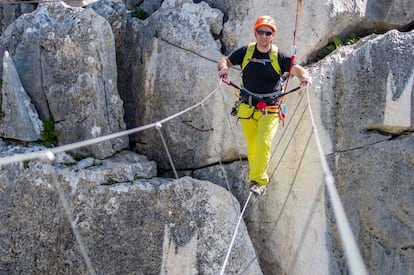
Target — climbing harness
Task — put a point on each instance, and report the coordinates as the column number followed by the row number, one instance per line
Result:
column 260, row 96
column 262, row 99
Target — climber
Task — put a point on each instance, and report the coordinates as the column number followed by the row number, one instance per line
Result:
column 262, row 71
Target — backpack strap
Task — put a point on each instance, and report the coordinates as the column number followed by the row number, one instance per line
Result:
column 248, row 55
column 275, row 61
column 273, row 57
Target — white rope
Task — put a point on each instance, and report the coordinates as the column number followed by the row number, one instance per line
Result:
column 69, row 215
column 159, row 126
column 243, row 169
column 234, row 234
column 46, row 152
column 352, row 253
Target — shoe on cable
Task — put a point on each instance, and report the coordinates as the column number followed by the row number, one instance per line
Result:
column 258, row 190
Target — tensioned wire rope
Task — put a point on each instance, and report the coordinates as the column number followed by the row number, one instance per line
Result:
column 244, row 172
column 353, row 255
column 49, row 154
column 46, row 153
column 216, row 150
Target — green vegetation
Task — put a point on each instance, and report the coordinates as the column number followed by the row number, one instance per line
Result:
column 138, row 177
column 49, row 133
column 140, row 14
column 78, row 156
column 354, row 39
column 26, row 164
column 337, row 42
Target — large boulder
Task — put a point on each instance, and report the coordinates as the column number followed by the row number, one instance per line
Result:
column 58, row 219
column 177, row 69
column 18, row 118
column 66, row 59
column 367, row 110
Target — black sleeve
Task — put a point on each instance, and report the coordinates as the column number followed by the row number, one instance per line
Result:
column 236, row 57
column 284, row 62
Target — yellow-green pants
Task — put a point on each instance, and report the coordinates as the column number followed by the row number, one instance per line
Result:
column 259, row 131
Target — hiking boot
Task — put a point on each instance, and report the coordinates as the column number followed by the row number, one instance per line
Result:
column 258, row 190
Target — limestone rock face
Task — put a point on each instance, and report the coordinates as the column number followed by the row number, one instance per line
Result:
column 9, row 13
column 19, row 119
column 115, row 12
column 80, row 79
column 173, row 77
column 318, row 22
column 67, row 61
column 142, row 226
column 366, row 92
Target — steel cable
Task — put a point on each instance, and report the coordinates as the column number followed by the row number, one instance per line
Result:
column 353, row 255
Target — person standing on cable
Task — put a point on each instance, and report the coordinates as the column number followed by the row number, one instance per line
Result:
column 259, row 109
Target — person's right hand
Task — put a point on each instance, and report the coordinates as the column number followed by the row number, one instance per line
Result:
column 223, row 74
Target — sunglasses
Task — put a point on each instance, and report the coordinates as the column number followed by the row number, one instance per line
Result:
column 267, row 33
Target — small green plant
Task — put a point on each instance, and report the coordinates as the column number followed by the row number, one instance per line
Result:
column 336, row 43
column 140, row 14
column 26, row 164
column 78, row 156
column 354, row 39
column 138, row 177
column 49, row 133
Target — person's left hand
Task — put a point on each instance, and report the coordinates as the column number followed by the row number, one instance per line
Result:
column 306, row 81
